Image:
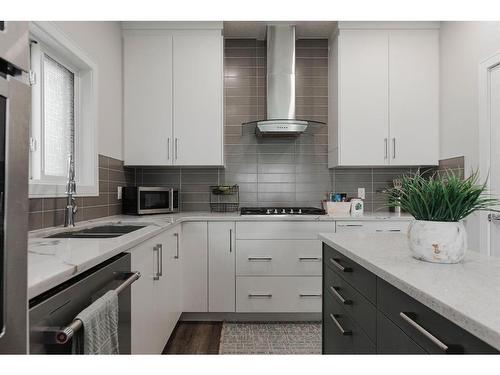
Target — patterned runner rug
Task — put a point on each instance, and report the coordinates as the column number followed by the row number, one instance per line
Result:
column 270, row 338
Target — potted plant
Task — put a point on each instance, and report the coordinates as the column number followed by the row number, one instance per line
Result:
column 439, row 204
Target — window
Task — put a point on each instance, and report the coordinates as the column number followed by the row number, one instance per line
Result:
column 63, row 114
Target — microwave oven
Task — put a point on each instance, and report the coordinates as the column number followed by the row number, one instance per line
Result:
column 145, row 200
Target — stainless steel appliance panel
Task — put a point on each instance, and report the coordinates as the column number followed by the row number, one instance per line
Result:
column 14, row 204
column 58, row 307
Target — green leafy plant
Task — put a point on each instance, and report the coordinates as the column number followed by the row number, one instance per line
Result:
column 442, row 196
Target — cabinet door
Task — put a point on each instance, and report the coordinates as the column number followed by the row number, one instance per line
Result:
column 414, row 97
column 363, row 97
column 221, row 267
column 172, row 276
column 194, row 263
column 167, row 292
column 147, row 110
column 142, row 300
column 198, row 99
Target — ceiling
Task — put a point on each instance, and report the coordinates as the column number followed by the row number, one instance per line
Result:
column 257, row 29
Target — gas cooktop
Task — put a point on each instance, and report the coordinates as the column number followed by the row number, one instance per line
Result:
column 282, row 211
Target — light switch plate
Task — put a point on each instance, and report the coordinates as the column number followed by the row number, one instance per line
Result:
column 119, row 193
column 361, row 193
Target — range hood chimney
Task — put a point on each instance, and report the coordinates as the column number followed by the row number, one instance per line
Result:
column 281, row 86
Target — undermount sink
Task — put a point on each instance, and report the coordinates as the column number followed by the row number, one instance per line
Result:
column 103, row 231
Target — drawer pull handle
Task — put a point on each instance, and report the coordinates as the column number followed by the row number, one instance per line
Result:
column 264, row 295
column 339, row 296
column 312, row 259
column 388, row 230
column 340, row 266
column 350, row 225
column 305, row 295
column 343, row 331
column 423, row 331
column 260, row 259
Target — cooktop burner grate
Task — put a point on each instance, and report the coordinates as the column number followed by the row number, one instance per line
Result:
column 282, row 211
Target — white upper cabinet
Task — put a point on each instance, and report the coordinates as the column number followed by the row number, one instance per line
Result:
column 173, row 94
column 414, row 97
column 198, row 99
column 383, row 95
column 147, row 113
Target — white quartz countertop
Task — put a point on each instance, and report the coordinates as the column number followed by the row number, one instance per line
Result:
column 468, row 293
column 52, row 261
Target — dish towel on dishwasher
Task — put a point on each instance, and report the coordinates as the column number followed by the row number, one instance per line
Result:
column 99, row 334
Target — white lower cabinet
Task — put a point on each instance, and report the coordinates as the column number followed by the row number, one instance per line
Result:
column 156, row 296
column 194, row 260
column 278, row 294
column 221, row 267
column 278, row 257
column 373, row 226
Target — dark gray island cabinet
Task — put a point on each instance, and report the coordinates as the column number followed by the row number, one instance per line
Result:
column 363, row 314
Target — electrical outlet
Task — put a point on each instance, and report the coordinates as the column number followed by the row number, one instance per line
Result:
column 361, row 193
column 119, row 193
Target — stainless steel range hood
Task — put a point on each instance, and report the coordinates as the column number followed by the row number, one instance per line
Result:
column 281, row 119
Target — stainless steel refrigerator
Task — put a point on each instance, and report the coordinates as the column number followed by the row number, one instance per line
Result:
column 15, row 106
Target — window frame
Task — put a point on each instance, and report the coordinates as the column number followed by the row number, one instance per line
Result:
column 54, row 43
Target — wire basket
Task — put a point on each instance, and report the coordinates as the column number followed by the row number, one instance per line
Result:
column 224, row 198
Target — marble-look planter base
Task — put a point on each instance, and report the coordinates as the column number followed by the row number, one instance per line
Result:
column 437, row 241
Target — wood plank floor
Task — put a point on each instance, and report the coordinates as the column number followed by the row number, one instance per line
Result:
column 194, row 338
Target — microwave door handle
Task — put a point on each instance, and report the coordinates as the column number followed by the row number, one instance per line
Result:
column 171, row 194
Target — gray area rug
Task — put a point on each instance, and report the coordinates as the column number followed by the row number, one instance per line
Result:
column 270, row 338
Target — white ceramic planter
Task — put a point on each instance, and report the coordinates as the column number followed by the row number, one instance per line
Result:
column 437, row 241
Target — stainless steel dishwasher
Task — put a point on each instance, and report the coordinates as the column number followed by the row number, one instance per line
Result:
column 51, row 314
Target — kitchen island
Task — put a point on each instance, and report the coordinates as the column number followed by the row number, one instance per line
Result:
column 400, row 304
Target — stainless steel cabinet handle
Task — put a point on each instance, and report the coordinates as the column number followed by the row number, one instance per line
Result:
column 340, row 266
column 305, row 295
column 339, row 296
column 312, row 259
column 260, row 295
column 388, row 230
column 168, row 148
column 176, row 147
column 177, row 247
column 160, row 260
column 230, row 240
column 394, row 148
column 350, row 225
column 385, row 148
column 423, row 331
column 157, row 273
column 260, row 259
column 343, row 331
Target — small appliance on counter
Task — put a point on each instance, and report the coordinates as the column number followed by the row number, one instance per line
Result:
column 145, row 200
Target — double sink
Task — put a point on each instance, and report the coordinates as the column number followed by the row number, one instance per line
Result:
column 101, row 231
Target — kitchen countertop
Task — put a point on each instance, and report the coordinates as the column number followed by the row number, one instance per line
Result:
column 466, row 293
column 52, row 261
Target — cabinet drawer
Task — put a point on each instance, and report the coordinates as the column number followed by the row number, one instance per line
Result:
column 392, row 340
column 283, row 230
column 278, row 294
column 398, row 226
column 411, row 316
column 278, row 257
column 360, row 278
column 355, row 305
column 341, row 335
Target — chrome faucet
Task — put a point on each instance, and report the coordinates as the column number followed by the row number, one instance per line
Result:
column 71, row 207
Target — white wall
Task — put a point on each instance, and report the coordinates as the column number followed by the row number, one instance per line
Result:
column 102, row 42
column 463, row 46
